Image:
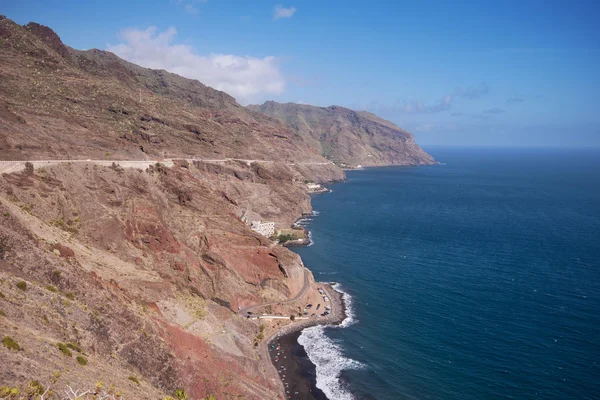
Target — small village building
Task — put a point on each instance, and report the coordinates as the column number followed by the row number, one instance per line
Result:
column 264, row 228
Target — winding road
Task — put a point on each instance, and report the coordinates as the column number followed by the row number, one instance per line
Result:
column 244, row 311
column 17, row 166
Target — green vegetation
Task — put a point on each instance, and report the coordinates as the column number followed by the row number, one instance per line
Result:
column 7, row 392
column 134, row 379
column 69, row 226
column 180, row 394
column 75, row 347
column 210, row 397
column 285, row 237
column 10, row 343
column 55, row 376
column 35, row 388
column 2, row 313
column 64, row 349
column 81, row 360
column 292, row 317
column 28, row 168
column 55, row 276
column 70, row 296
column 4, row 246
column 52, row 288
column 22, row 285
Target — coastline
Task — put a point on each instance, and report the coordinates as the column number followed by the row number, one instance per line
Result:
column 296, row 372
column 298, row 375
column 301, row 223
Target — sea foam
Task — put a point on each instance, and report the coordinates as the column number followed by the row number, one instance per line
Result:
column 329, row 362
column 350, row 316
column 310, row 239
column 327, row 355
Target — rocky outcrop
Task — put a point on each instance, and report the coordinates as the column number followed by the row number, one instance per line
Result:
column 347, row 137
column 145, row 272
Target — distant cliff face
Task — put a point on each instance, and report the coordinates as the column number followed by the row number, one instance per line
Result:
column 346, row 136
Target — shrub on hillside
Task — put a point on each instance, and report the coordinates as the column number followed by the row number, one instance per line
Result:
column 64, row 349
column 10, row 343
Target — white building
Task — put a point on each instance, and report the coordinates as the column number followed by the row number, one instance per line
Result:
column 264, row 228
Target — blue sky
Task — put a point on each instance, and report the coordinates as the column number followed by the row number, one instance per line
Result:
column 506, row 73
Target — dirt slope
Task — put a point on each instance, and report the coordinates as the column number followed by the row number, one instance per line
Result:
column 144, row 271
column 57, row 102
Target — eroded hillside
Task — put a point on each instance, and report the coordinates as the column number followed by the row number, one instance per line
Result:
column 348, row 137
column 130, row 283
column 144, row 272
column 61, row 103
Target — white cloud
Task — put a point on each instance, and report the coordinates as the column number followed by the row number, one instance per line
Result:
column 282, row 12
column 189, row 8
column 444, row 104
column 244, row 77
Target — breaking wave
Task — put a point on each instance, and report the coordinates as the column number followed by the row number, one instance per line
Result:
column 329, row 362
column 350, row 316
column 327, row 355
column 303, row 222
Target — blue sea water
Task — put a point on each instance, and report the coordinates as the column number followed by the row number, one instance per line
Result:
column 475, row 279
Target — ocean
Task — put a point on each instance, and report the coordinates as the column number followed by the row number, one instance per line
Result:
column 478, row 278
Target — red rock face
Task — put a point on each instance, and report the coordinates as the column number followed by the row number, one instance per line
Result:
column 254, row 265
column 206, row 372
column 64, row 251
column 151, row 255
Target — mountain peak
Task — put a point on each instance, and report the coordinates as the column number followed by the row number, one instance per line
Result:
column 49, row 37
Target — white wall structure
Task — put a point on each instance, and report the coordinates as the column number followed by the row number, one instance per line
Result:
column 264, row 228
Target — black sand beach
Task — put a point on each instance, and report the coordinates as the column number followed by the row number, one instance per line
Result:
column 295, row 369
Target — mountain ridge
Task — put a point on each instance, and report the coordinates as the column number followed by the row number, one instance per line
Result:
column 59, row 102
column 141, row 271
column 348, row 137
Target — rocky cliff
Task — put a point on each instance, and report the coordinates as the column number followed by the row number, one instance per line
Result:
column 346, row 136
column 127, row 283
column 124, row 282
column 142, row 274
